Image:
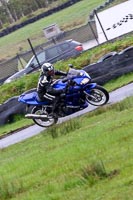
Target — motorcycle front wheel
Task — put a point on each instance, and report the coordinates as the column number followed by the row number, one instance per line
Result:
column 97, row 96
column 46, row 121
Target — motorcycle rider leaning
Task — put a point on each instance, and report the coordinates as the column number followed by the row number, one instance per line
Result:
column 44, row 88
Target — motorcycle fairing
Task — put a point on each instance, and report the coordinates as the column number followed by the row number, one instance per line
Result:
column 74, row 94
column 59, row 85
column 89, row 86
column 31, row 99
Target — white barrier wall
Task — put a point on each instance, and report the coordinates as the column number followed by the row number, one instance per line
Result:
column 115, row 21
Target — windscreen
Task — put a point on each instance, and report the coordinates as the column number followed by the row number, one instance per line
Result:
column 73, row 73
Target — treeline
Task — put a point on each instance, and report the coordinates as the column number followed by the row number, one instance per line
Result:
column 13, row 10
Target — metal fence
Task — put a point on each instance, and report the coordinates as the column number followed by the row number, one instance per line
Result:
column 82, row 34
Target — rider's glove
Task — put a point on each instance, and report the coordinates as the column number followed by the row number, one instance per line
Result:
column 71, row 82
column 64, row 73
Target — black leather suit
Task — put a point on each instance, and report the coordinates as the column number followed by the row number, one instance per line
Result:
column 46, row 91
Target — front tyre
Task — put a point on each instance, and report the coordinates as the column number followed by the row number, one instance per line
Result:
column 97, row 96
column 46, row 121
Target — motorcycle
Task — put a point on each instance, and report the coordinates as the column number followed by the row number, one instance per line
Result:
column 80, row 93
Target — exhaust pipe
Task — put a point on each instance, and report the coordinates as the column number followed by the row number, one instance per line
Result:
column 34, row 116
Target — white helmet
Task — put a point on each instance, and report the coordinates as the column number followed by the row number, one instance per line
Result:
column 47, row 69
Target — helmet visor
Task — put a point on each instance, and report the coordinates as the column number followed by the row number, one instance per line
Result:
column 50, row 73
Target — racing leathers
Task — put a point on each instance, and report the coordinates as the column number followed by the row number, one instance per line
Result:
column 47, row 92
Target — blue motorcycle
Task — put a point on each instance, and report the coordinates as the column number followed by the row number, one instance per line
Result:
column 80, row 93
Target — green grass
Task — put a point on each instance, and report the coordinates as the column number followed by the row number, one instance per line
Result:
column 93, row 160
column 119, row 82
column 10, row 128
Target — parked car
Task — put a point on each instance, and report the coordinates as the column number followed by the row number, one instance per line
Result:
column 52, row 54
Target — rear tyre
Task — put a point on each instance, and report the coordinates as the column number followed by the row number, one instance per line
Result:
column 98, row 96
column 45, row 122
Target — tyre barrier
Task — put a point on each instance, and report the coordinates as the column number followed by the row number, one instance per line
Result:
column 111, row 67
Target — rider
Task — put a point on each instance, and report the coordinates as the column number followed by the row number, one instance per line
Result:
column 44, row 88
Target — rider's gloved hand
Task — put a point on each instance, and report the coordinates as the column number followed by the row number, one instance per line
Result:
column 64, row 79
column 65, row 73
column 71, row 82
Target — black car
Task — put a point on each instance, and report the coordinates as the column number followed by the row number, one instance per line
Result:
column 52, row 54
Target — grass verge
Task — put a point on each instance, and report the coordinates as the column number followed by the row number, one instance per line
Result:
column 91, row 161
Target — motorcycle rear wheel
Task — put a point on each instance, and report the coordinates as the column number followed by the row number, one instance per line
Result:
column 47, row 121
column 98, row 96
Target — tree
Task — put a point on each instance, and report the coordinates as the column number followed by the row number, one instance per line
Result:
column 8, row 12
column 13, row 10
column 38, row 3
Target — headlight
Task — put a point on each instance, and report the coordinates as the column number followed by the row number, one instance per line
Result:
column 84, row 81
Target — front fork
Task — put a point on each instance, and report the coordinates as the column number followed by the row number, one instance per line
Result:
column 88, row 88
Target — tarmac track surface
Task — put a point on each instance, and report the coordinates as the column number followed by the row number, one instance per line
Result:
column 115, row 96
